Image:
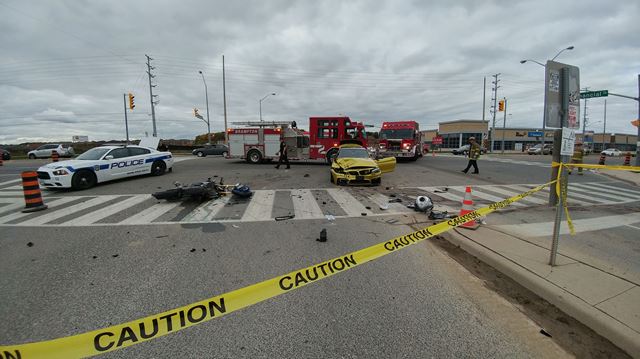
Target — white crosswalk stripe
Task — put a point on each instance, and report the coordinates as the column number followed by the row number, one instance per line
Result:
column 109, row 209
column 10, row 182
column 260, row 207
column 150, row 214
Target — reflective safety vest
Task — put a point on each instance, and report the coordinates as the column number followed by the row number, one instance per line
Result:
column 474, row 151
column 577, row 154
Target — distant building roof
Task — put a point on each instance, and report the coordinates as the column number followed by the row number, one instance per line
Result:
column 459, row 121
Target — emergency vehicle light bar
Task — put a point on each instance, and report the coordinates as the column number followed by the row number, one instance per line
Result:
column 263, row 123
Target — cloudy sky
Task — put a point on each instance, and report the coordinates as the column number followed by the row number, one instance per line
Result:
column 65, row 65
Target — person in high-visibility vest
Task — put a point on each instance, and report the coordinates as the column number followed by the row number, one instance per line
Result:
column 578, row 154
column 474, row 154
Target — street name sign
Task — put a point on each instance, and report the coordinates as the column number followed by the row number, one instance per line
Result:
column 592, row 94
column 535, row 134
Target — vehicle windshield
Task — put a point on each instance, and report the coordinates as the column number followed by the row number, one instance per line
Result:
column 396, row 134
column 353, row 153
column 93, row 154
column 537, row 146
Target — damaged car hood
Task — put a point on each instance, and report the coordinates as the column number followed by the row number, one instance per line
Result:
column 355, row 162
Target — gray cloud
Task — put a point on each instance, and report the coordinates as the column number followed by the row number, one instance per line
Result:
column 66, row 65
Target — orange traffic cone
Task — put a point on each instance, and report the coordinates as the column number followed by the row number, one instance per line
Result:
column 467, row 207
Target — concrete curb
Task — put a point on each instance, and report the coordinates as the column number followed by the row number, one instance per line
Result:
column 619, row 334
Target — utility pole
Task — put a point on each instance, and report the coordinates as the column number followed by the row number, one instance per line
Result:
column 604, row 128
column 584, row 117
column 224, row 101
column 494, row 109
column 484, row 102
column 504, row 122
column 151, row 95
column 638, row 137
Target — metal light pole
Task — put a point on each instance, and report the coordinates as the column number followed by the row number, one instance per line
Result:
column 206, row 95
column 638, row 138
column 262, row 99
column 544, row 115
column 604, row 127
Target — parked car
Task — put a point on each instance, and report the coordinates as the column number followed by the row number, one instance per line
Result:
column 540, row 149
column 463, row 150
column 211, row 150
column 612, row 152
column 6, row 155
column 45, row 151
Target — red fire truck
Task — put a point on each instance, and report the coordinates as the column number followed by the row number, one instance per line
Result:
column 261, row 140
column 400, row 139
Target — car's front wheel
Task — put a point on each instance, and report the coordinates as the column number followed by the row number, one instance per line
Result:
column 158, row 168
column 32, row 156
column 83, row 179
column 225, row 154
column 200, row 154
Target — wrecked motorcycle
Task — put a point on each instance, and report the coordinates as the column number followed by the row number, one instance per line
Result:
column 202, row 191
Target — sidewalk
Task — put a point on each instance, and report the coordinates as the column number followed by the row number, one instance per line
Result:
column 605, row 302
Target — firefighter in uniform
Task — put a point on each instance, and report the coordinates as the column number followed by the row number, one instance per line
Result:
column 474, row 154
column 283, row 155
column 578, row 153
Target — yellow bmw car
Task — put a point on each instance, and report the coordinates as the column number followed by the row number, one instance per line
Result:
column 353, row 166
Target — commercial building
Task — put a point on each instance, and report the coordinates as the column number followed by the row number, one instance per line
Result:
column 456, row 133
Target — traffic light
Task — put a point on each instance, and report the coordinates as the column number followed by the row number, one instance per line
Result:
column 131, row 103
column 501, row 106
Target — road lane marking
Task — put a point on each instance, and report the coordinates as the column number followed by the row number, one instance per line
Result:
column 206, row 211
column 607, row 193
column 599, row 186
column 107, row 211
column 476, row 192
column 305, row 205
column 148, row 215
column 383, row 201
column 9, row 182
column 68, row 210
column 509, row 193
column 260, row 206
column 441, row 193
column 349, row 204
column 53, row 206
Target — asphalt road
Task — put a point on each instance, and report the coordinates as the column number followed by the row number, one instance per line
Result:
column 60, row 280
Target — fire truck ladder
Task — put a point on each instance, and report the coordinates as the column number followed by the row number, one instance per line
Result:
column 264, row 123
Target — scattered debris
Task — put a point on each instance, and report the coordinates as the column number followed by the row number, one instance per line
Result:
column 387, row 188
column 306, row 175
column 164, row 236
column 192, row 250
column 446, row 189
column 282, row 218
column 384, row 206
column 114, row 255
column 94, row 257
column 423, row 204
column 367, row 207
column 235, row 226
column 204, row 250
column 363, row 214
column 544, row 332
column 392, row 195
column 438, row 215
column 323, row 202
column 323, row 236
column 30, row 244
column 395, row 200
column 330, row 217
column 392, row 221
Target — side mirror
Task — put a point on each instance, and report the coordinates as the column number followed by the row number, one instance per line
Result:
column 109, row 157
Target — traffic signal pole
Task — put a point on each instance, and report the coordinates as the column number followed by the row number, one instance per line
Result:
column 126, row 122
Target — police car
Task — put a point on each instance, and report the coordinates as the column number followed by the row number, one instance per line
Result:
column 102, row 164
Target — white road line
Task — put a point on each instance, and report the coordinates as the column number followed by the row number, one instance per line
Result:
column 107, row 211
column 12, row 207
column 581, row 225
column 207, row 210
column 305, row 205
column 476, row 192
column 617, row 189
column 573, row 198
column 581, row 193
column 349, row 204
column 445, row 195
column 67, row 211
column 181, row 159
column 9, row 182
column 508, row 193
column 611, row 193
column 54, row 205
column 260, row 206
column 394, row 207
column 151, row 213
column 12, row 188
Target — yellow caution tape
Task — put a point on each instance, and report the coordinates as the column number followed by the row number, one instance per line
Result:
column 561, row 190
column 154, row 326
